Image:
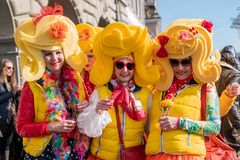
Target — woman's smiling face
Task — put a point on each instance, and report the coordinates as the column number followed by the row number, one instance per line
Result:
column 182, row 68
column 124, row 70
column 54, row 60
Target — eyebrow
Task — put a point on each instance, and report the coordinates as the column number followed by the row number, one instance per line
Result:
column 180, row 60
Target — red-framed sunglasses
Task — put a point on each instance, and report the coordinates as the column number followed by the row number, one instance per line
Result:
column 119, row 65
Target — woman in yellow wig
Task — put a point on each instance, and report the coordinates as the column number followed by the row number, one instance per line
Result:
column 52, row 94
column 86, row 35
column 177, row 128
column 121, row 72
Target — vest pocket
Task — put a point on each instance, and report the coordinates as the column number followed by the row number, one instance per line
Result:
column 35, row 146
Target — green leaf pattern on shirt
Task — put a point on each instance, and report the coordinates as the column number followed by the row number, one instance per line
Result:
column 212, row 123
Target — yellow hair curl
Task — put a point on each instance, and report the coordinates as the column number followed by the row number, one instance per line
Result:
column 86, row 35
column 119, row 40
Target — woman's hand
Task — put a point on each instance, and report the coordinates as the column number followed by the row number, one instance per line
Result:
column 104, row 104
column 168, row 123
column 82, row 105
column 17, row 88
column 61, row 126
column 233, row 90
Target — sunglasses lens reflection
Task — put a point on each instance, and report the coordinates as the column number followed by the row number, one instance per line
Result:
column 129, row 65
column 184, row 63
column 119, row 65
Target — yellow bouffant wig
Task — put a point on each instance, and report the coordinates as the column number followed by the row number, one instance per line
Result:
column 86, row 35
column 187, row 38
column 51, row 32
column 120, row 40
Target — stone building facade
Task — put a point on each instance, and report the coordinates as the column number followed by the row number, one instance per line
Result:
column 95, row 12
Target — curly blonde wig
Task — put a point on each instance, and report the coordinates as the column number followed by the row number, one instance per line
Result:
column 52, row 32
column 120, row 40
column 187, row 38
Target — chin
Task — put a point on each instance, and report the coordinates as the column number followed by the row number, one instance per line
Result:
column 182, row 78
column 87, row 69
column 124, row 81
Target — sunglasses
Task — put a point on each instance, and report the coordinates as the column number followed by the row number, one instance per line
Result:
column 10, row 67
column 120, row 65
column 184, row 63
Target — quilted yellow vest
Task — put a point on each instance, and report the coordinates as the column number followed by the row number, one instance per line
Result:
column 36, row 145
column 186, row 104
column 107, row 146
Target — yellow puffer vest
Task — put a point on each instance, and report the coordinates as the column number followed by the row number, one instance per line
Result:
column 107, row 146
column 36, row 145
column 187, row 104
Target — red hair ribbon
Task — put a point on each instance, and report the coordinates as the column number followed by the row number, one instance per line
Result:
column 162, row 52
column 207, row 25
column 48, row 10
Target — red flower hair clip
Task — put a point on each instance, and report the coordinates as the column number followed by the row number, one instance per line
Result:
column 207, row 25
column 84, row 35
column 48, row 10
column 58, row 30
column 162, row 52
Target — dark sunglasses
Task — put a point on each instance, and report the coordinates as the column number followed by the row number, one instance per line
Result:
column 120, row 65
column 10, row 67
column 184, row 63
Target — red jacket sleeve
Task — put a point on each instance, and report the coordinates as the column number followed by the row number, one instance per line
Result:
column 25, row 125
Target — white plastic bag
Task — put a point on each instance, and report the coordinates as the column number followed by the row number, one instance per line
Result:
column 91, row 123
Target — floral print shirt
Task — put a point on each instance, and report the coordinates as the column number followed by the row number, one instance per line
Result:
column 212, row 123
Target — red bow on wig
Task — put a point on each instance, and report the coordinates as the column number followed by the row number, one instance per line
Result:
column 162, row 52
column 48, row 10
column 122, row 96
column 207, row 25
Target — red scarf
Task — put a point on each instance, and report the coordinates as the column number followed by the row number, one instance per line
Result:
column 89, row 86
column 122, row 96
column 176, row 85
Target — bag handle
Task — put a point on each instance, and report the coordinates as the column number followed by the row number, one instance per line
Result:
column 119, row 127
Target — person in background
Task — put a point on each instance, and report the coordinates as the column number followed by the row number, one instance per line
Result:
column 86, row 35
column 230, row 75
column 227, row 85
column 51, row 61
column 121, row 72
column 9, row 90
column 177, row 128
column 229, row 55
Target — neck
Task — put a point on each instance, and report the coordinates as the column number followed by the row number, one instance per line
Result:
column 58, row 74
column 129, row 85
column 8, row 78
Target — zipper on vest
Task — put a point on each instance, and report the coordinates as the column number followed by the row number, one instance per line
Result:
column 123, row 122
column 99, row 146
column 188, row 140
column 161, row 141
